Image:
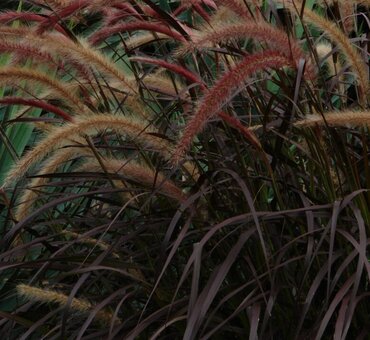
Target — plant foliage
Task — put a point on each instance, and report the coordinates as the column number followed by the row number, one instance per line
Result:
column 193, row 169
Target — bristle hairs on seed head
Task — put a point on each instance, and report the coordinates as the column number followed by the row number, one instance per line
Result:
column 89, row 241
column 223, row 15
column 260, row 31
column 330, row 29
column 44, row 295
column 222, row 92
column 136, row 171
column 338, row 118
column 88, row 125
column 29, row 195
column 13, row 75
column 51, row 296
column 237, row 6
column 182, row 71
column 23, row 50
column 80, row 52
column 106, row 32
column 139, row 173
column 143, row 38
column 324, row 52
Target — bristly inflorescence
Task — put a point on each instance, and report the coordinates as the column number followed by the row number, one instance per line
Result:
column 222, row 92
column 196, row 167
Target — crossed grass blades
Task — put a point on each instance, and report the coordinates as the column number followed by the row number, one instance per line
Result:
column 185, row 169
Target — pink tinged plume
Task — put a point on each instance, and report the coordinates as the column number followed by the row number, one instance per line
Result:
column 222, row 92
column 106, row 32
column 126, row 8
column 273, row 37
column 113, row 15
column 63, row 13
column 236, row 6
column 69, row 10
column 197, row 6
column 172, row 67
column 208, row 3
column 193, row 78
column 10, row 16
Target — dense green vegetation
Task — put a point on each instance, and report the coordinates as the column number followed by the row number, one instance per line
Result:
column 193, row 169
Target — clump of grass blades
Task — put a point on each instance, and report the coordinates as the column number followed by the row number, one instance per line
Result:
column 188, row 180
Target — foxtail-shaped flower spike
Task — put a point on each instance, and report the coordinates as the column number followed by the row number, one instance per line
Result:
column 139, row 173
column 12, row 75
column 222, row 92
column 339, row 118
column 172, row 67
column 102, row 34
column 261, row 31
column 51, row 296
column 87, row 125
column 330, row 29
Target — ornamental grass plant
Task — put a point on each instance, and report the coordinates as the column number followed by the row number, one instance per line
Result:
column 193, row 169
